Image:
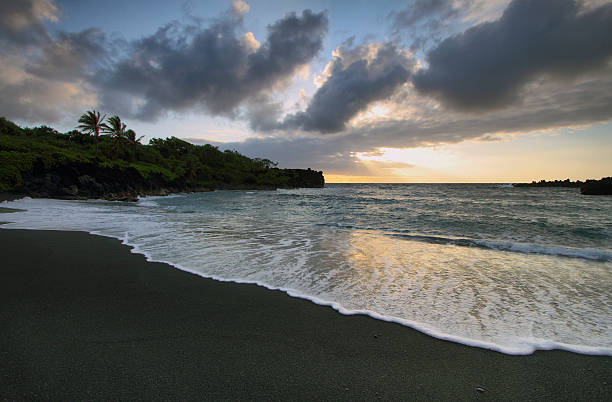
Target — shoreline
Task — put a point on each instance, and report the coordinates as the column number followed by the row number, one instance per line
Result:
column 522, row 348
column 88, row 319
column 543, row 345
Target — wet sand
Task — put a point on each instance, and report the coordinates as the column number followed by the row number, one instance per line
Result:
column 81, row 317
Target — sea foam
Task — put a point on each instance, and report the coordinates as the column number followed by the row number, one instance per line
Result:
column 508, row 296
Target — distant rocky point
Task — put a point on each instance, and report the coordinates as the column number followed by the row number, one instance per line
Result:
column 555, row 183
column 589, row 187
column 597, row 187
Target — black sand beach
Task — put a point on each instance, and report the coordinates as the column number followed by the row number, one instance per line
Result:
column 81, row 318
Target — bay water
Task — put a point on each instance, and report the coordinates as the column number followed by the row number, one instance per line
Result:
column 488, row 265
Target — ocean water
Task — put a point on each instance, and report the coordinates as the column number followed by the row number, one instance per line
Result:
column 509, row 269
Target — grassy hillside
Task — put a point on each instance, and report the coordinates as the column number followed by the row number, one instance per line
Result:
column 44, row 162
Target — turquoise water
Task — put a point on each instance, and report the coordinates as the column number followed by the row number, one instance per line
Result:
column 511, row 269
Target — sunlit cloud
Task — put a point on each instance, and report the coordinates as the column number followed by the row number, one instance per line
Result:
column 240, row 7
column 250, row 43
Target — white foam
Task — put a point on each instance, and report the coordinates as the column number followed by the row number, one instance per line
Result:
column 303, row 191
column 528, row 248
column 357, row 265
column 522, row 346
column 162, row 197
column 147, row 203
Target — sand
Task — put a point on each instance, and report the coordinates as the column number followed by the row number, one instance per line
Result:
column 81, row 317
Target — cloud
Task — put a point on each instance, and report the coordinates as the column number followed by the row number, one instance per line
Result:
column 216, row 68
column 263, row 113
column 487, row 66
column 71, row 55
column 420, row 10
column 356, row 77
column 548, row 104
column 250, row 43
column 45, row 77
column 424, row 20
column 184, row 67
column 37, row 100
column 21, row 22
column 322, row 153
column 240, row 7
column 32, row 98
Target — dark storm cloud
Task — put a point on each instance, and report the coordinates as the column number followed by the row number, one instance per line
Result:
column 181, row 67
column 21, row 21
column 487, row 66
column 354, row 82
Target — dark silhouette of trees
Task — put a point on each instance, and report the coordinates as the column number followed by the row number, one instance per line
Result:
column 131, row 139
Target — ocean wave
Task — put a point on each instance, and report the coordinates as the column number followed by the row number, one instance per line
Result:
column 525, row 248
column 302, row 191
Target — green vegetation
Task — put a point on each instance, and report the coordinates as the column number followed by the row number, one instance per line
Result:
column 107, row 159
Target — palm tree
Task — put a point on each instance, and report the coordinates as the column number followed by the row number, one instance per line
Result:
column 117, row 130
column 91, row 123
column 130, row 136
column 115, row 127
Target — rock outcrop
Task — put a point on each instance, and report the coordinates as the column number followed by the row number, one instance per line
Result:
column 589, row 187
column 597, row 187
column 90, row 181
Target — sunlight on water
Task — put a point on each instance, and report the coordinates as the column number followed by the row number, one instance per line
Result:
column 481, row 294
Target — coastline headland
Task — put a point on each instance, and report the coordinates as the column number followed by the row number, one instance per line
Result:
column 602, row 186
column 43, row 163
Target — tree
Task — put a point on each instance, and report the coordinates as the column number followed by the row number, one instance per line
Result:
column 130, row 136
column 115, row 127
column 91, row 123
column 265, row 163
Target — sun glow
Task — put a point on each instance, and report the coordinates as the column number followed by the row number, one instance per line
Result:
column 400, row 165
column 432, row 158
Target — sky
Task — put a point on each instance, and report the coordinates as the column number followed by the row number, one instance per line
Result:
column 391, row 91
